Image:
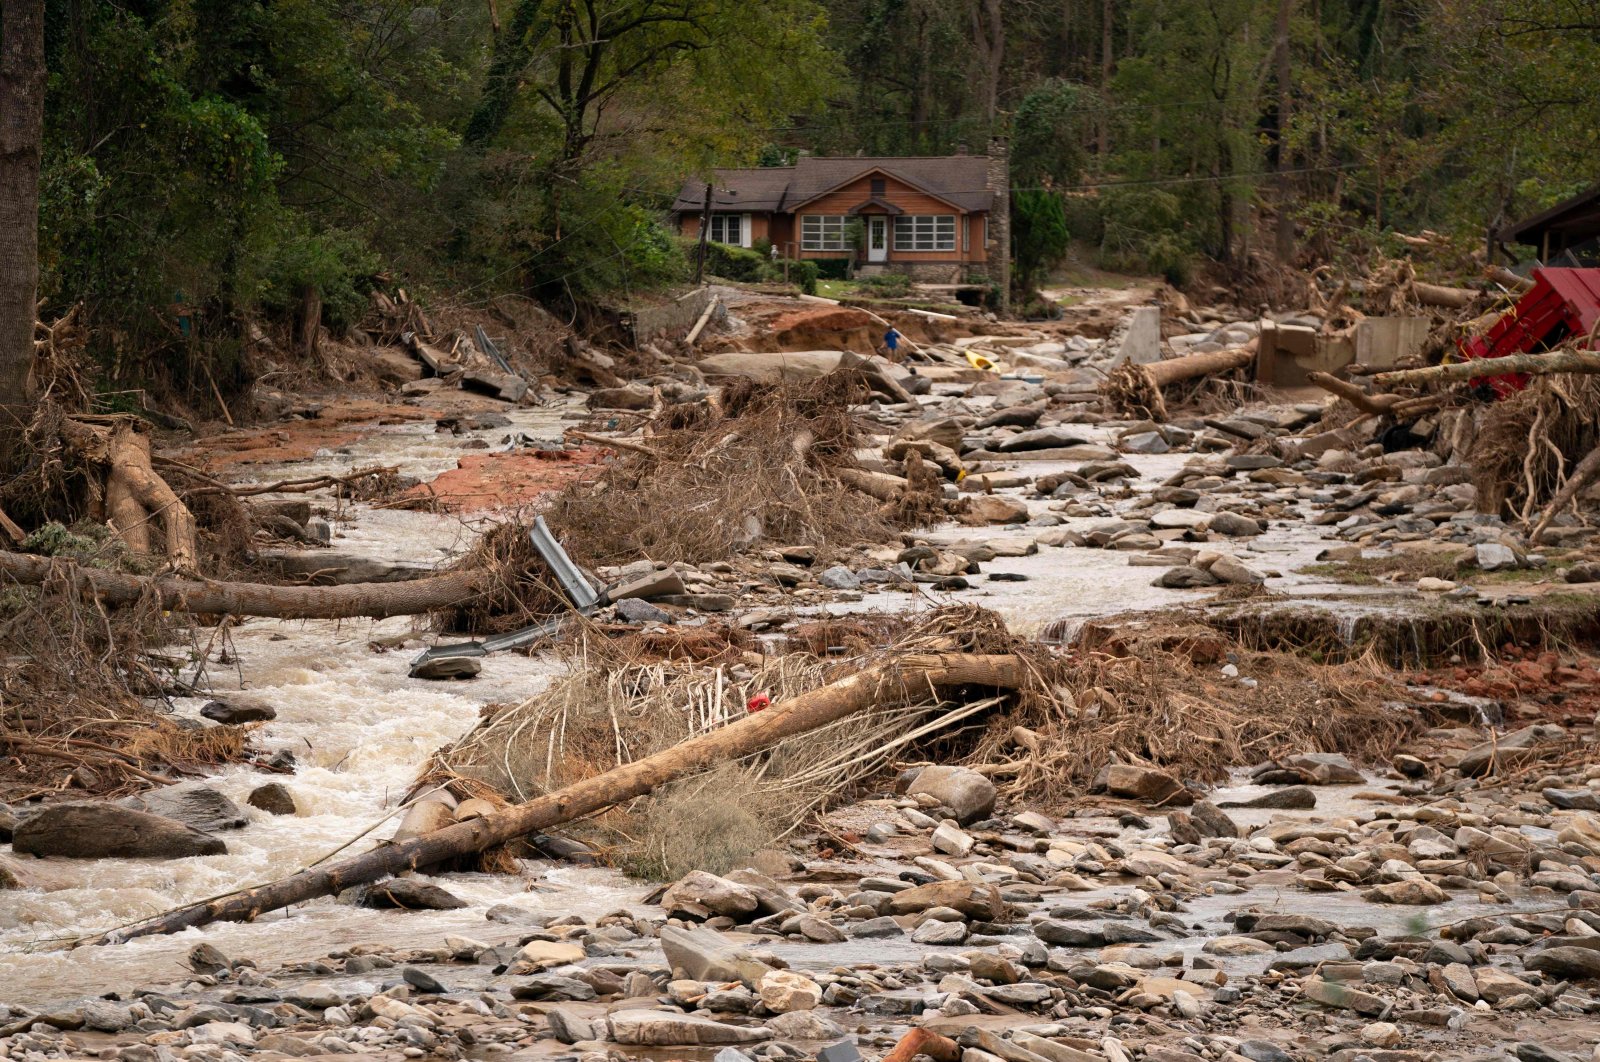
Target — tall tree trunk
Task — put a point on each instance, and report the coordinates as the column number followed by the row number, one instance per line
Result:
column 1225, row 199
column 21, row 132
column 989, row 37
column 1104, row 145
column 1285, row 231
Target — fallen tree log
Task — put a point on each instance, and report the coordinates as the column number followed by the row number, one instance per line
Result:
column 1585, row 361
column 880, row 485
column 915, row 678
column 214, row 597
column 1191, row 366
column 1439, row 295
column 1505, row 277
column 1136, row 389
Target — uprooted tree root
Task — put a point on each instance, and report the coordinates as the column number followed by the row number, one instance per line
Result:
column 1528, row 442
column 1157, row 699
column 757, row 464
column 77, row 708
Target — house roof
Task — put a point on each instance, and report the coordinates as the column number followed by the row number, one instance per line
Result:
column 1578, row 216
column 960, row 180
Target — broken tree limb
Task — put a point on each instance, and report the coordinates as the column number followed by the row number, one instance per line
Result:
column 1378, row 405
column 1584, row 474
column 213, row 597
column 1585, row 361
column 915, row 677
column 612, row 441
column 1439, row 295
column 694, row 333
column 880, row 485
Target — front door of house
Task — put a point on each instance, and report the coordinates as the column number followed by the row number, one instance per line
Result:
column 877, row 239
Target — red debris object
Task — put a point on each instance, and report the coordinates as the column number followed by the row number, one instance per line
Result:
column 758, row 702
column 1561, row 303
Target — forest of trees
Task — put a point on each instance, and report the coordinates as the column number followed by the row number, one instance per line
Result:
column 261, row 159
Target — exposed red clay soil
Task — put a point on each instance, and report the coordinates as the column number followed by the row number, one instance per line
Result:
column 298, row 440
column 507, row 480
column 1532, row 686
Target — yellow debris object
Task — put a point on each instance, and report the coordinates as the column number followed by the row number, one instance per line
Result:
column 978, row 361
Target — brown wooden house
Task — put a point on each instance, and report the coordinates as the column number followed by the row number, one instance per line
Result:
column 942, row 220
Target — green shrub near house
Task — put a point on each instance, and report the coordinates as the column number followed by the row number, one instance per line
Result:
column 746, row 265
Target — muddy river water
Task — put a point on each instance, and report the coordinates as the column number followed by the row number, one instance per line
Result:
column 360, row 728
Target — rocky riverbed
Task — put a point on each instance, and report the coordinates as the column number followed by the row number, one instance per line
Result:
column 1442, row 902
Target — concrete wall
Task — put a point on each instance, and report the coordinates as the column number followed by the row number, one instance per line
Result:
column 670, row 321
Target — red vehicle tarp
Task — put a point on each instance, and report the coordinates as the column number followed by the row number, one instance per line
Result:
column 1561, row 303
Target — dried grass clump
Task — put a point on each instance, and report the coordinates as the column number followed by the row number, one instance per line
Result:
column 1158, row 699
column 75, row 713
column 757, row 464
column 523, row 590
column 1527, row 443
column 608, row 710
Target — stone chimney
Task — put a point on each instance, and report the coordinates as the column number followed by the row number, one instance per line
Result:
column 998, row 247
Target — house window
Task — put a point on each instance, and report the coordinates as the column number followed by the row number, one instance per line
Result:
column 822, row 232
column 925, row 232
column 879, row 187
column 725, row 229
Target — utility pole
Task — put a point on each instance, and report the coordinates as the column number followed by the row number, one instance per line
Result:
column 705, row 232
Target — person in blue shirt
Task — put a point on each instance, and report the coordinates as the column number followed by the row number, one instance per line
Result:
column 891, row 340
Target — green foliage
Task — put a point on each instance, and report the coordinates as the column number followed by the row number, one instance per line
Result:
column 732, row 263
column 1145, row 231
column 1048, row 134
column 804, row 274
column 886, row 285
column 1039, row 236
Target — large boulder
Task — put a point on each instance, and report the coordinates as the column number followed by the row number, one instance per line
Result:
column 706, row 955
column 982, row 902
column 98, row 831
column 658, row 1028
column 719, row 896
column 969, row 795
column 192, row 804
column 1147, row 784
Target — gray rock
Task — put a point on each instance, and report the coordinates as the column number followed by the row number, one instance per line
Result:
column 444, row 668
column 838, row 578
column 99, row 831
column 633, row 610
column 940, row 933
column 239, row 708
column 1262, row 1051
column 192, row 804
column 1185, row 577
column 554, row 987
column 1144, row 442
column 1574, row 799
column 969, row 795
column 654, row 1028
column 804, row 1025
column 105, row 1016
column 1493, row 557
column 407, row 894
column 1234, row 525
column 882, row 926
column 1568, row 963
column 706, row 955
column 568, row 1027
column 1042, row 439
column 274, row 798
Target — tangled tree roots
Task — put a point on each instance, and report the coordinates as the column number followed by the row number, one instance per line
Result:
column 1527, row 444
column 758, row 464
